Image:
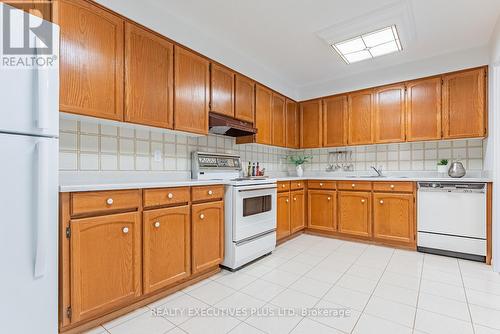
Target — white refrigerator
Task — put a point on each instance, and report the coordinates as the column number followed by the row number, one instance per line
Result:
column 29, row 130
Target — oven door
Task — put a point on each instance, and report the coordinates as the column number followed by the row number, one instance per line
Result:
column 255, row 211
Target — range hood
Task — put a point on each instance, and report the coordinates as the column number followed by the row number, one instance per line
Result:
column 228, row 126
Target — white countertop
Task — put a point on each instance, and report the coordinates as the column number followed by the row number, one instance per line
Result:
column 90, row 181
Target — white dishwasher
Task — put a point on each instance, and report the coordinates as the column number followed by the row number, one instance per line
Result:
column 451, row 219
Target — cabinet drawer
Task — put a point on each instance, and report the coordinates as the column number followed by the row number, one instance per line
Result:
column 354, row 185
column 104, row 201
column 207, row 193
column 296, row 185
column 405, row 187
column 283, row 186
column 319, row 184
column 166, row 196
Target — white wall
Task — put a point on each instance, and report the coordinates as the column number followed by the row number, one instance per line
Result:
column 492, row 144
column 413, row 70
column 146, row 13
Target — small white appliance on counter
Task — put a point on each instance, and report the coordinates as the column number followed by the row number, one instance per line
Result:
column 249, row 206
column 451, row 219
column 29, row 130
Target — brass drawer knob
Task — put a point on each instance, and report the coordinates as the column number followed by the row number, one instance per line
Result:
column 321, row 184
column 392, row 186
column 381, row 202
column 363, row 200
column 210, row 192
column 294, row 198
column 109, row 201
column 329, row 198
column 170, row 195
column 353, row 185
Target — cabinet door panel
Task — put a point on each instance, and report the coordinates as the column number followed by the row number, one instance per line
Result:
column 91, row 59
column 335, row 121
column 207, row 235
column 166, row 247
column 394, row 217
column 278, row 121
column 423, row 109
column 311, row 124
column 244, row 104
column 297, row 211
column 283, row 215
column 389, row 114
column 464, row 104
column 360, row 118
column 105, row 263
column 222, row 90
column 355, row 213
column 192, row 92
column 321, row 209
column 292, row 125
column 149, row 68
column 263, row 115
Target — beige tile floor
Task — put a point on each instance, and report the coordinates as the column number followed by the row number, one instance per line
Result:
column 384, row 290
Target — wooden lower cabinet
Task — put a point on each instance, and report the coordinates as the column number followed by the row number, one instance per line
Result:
column 394, row 218
column 321, row 209
column 354, row 213
column 297, row 213
column 207, row 235
column 105, row 263
column 283, row 215
column 166, row 247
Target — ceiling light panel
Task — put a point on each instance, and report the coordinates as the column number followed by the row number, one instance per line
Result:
column 370, row 45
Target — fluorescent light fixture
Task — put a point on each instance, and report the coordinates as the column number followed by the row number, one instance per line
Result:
column 370, row 45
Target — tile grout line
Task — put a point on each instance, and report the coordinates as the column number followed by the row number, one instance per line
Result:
column 418, row 294
column 466, row 298
column 373, row 291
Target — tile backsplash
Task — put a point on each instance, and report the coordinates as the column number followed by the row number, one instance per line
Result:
column 88, row 146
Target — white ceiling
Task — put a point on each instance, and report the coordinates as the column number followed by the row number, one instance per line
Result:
column 282, row 35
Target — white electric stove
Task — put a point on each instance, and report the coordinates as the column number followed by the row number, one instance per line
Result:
column 249, row 205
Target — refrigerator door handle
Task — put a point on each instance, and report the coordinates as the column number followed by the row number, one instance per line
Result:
column 43, row 86
column 42, row 219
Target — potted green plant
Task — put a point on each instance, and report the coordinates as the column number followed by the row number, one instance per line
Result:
column 442, row 166
column 298, row 161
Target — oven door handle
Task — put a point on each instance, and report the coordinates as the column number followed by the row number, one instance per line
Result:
column 256, row 189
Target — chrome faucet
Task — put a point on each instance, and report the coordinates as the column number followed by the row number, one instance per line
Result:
column 377, row 170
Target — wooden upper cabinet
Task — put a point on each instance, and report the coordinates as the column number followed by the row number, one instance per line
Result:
column 283, row 215
column 91, row 59
column 244, row 104
column 335, row 121
column 105, row 263
column 149, row 74
column 321, row 209
column 221, row 90
column 355, row 213
column 389, row 114
column 166, row 247
column 393, row 219
column 423, row 109
column 35, row 7
column 311, row 124
column 278, row 121
column 263, row 115
column 464, row 104
column 297, row 213
column 360, row 112
column 207, row 226
column 292, row 124
column 192, row 91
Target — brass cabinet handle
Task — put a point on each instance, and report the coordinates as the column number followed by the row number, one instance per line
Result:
column 210, row 192
column 329, row 198
column 125, row 230
column 286, row 200
column 392, row 186
column 109, row 201
column 353, row 185
column 170, row 195
column 202, row 216
column 381, row 202
column 363, row 200
column 157, row 224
